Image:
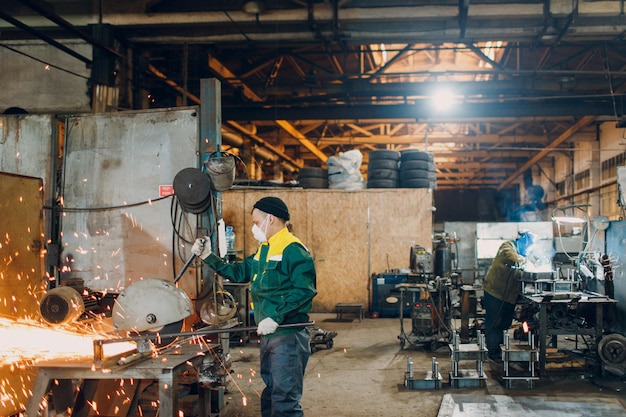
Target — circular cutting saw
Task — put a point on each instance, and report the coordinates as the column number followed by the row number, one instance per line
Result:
column 152, row 307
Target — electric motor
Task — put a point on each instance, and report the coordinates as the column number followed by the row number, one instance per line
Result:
column 62, row 305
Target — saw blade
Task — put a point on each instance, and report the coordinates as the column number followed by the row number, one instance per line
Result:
column 160, row 339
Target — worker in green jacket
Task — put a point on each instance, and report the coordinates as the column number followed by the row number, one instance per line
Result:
column 501, row 287
column 282, row 276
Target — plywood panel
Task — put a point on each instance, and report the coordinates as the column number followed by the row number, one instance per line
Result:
column 339, row 241
column 351, row 234
column 237, row 206
column 400, row 218
column 22, row 281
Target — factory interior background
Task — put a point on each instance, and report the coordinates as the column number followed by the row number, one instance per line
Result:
column 409, row 139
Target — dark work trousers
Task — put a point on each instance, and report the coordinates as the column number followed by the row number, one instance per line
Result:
column 498, row 317
column 283, row 361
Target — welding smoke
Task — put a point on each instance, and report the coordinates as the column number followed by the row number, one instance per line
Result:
column 539, row 258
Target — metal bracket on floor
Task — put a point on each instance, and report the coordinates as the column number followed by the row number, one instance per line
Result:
column 432, row 379
column 520, row 361
column 476, row 352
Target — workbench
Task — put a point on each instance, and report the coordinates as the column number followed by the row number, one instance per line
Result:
column 546, row 300
column 164, row 368
column 349, row 308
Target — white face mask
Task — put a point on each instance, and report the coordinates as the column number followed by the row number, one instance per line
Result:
column 259, row 234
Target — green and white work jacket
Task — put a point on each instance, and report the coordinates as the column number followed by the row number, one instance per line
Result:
column 282, row 276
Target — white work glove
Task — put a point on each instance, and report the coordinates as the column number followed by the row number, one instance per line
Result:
column 266, row 326
column 201, row 247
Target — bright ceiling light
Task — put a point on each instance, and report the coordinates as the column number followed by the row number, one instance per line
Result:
column 443, row 99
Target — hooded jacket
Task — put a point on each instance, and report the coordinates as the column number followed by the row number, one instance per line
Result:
column 282, row 277
column 503, row 277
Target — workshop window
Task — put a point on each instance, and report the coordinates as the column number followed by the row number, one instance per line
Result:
column 609, row 166
column 560, row 188
column 608, row 202
column 582, row 180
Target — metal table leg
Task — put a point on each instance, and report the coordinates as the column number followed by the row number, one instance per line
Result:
column 543, row 334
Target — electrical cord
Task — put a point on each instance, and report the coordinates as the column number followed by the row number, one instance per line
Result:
column 63, row 209
column 44, row 62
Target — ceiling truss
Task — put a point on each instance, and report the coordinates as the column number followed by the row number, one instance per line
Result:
column 304, row 80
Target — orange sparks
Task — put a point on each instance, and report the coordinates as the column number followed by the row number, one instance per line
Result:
column 94, row 405
column 22, row 340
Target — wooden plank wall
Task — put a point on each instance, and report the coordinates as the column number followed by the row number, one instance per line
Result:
column 351, row 234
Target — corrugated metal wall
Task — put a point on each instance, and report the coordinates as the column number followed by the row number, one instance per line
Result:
column 121, row 160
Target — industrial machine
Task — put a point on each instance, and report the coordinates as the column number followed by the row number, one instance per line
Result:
column 573, row 298
column 73, row 302
column 424, row 266
column 151, row 306
column 424, row 296
column 430, row 313
column 446, row 259
column 150, row 314
column 384, row 301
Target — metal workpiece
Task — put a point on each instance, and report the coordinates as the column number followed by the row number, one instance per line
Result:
column 467, row 351
column 462, row 377
column 520, row 353
column 431, row 380
column 519, row 361
column 541, row 286
column 99, row 343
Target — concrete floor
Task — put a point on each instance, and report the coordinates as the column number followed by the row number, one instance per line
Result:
column 363, row 375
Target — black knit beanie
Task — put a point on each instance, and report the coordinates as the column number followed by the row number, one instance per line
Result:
column 274, row 206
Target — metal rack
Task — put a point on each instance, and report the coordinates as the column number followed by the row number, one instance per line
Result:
column 477, row 352
column 528, row 354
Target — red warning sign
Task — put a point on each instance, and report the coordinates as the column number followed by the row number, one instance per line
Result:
column 165, row 190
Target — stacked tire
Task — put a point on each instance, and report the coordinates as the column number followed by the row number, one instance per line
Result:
column 313, row 177
column 382, row 169
column 417, row 169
